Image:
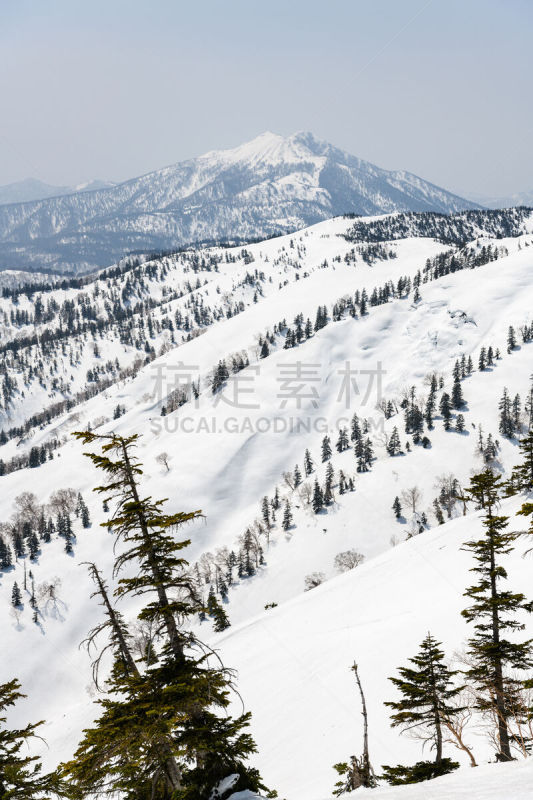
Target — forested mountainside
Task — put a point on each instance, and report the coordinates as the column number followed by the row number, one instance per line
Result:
column 270, row 185
column 324, row 398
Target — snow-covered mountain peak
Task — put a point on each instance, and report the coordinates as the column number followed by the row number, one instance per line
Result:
column 269, row 185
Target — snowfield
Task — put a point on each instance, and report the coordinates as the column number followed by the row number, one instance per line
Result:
column 292, row 660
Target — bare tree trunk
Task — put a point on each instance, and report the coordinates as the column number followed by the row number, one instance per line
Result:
column 367, row 771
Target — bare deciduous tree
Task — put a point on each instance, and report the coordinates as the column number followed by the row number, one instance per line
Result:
column 63, row 501
column 163, row 459
column 347, row 560
column 313, row 580
column 412, row 497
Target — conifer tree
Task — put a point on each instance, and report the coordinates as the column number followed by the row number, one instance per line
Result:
column 457, row 393
column 6, row 559
column 16, row 597
column 287, row 516
column 328, row 486
column 308, row 464
column 265, row 513
column 355, row 428
column 161, row 734
column 424, row 709
column 326, row 448
column 506, row 425
column 20, row 772
column 397, row 507
column 394, row 445
column 445, row 410
column 217, row 613
column 511, row 339
column 318, row 498
column 524, row 471
column 494, row 612
column 342, row 442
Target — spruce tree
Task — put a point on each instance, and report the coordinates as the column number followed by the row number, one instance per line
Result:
column 16, row 597
column 426, row 706
column 394, row 445
column 20, row 772
column 326, row 448
column 524, row 471
column 494, row 612
column 445, row 410
column 163, row 733
column 457, row 394
column 342, row 442
column 506, row 425
column 397, row 507
column 217, row 613
column 308, row 464
column 287, row 516
column 318, row 498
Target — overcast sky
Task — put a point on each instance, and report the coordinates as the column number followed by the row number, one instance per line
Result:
column 115, row 88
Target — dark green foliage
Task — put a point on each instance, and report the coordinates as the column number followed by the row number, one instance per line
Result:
column 421, row 771
column 524, row 471
column 494, row 612
column 397, row 507
column 217, row 613
column 445, row 410
column 457, row 393
column 16, row 597
column 20, row 773
column 326, row 448
column 318, row 498
column 428, row 696
column 163, row 732
column 287, row 516
column 394, row 445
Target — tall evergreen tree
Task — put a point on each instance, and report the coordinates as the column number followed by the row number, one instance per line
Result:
column 287, row 516
column 394, row 445
column 494, row 612
column 425, row 708
column 457, row 393
column 16, row 596
column 445, row 410
column 318, row 498
column 161, row 733
column 397, row 507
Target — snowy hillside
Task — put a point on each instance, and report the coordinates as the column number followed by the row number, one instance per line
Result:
column 269, row 185
column 231, row 363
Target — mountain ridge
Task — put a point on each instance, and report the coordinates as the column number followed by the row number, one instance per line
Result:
column 269, row 185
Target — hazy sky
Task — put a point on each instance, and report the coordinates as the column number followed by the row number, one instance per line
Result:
column 114, row 88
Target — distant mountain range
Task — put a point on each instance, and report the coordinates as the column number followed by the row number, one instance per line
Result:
column 31, row 189
column 269, row 185
column 517, row 199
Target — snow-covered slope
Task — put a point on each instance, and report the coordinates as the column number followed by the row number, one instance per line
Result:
column 293, row 660
column 265, row 186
